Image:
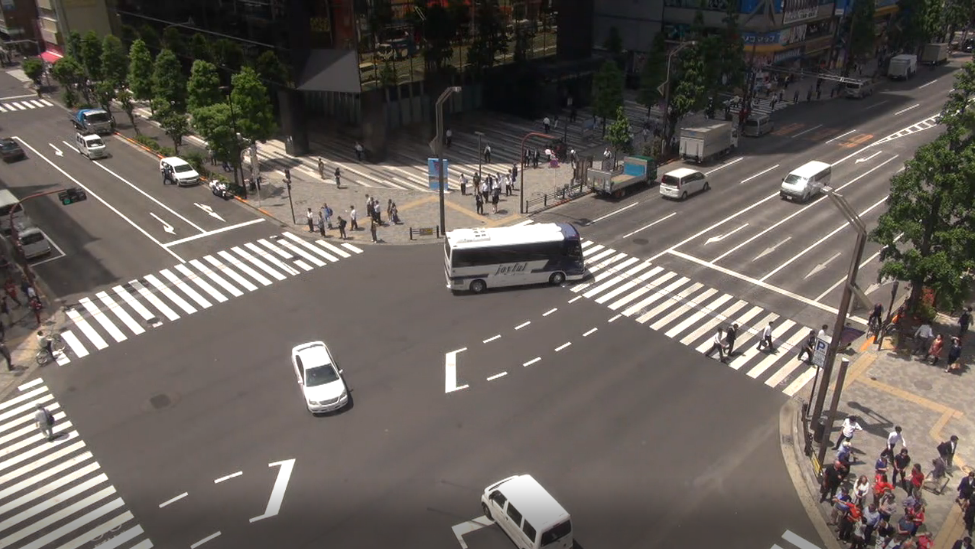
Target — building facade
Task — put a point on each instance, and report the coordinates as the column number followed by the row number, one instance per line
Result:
column 17, row 24
column 56, row 19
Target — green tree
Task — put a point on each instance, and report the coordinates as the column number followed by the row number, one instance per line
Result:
column 688, row 94
column 863, row 34
column 168, row 83
column 270, row 68
column 490, row 38
column 91, row 55
column 957, row 14
column 176, row 125
column 607, row 91
column 917, row 22
column 956, row 115
column 104, row 93
column 524, row 39
column 151, row 38
column 73, row 44
column 114, row 61
column 653, row 75
column 930, row 207
column 172, row 40
column 140, row 71
column 68, row 72
column 227, row 54
column 124, row 98
column 203, row 86
column 255, row 117
column 619, row 134
column 34, row 69
column 215, row 125
column 200, row 48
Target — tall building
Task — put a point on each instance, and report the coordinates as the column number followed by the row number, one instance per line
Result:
column 17, row 24
column 360, row 63
column 56, row 19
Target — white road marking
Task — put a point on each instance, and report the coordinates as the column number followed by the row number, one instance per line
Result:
column 265, row 256
column 155, row 301
column 332, row 248
column 213, row 232
column 121, row 313
column 798, row 541
column 764, row 253
column 53, row 245
column 717, row 318
column 721, row 237
column 203, row 284
column 550, row 311
column 876, row 105
column 807, row 131
column 862, row 265
column 702, row 311
column 614, row 318
column 759, row 174
column 277, row 492
column 171, row 295
column 612, row 213
column 228, row 477
column 902, row 111
column 240, row 265
column 668, row 302
column 450, row 366
column 522, row 325
column 86, row 328
column 257, row 262
column 630, row 282
column 173, row 500
column 30, row 384
column 135, row 304
column 576, row 298
column 922, row 86
column 204, row 540
column 490, row 339
column 800, row 382
column 74, row 344
column 656, row 283
column 563, row 346
column 185, row 288
column 150, row 197
column 79, row 522
column 532, row 361
column 841, row 136
column 47, row 503
column 295, row 249
column 464, row 528
column 620, row 276
column 791, row 343
column 820, row 266
column 348, row 246
column 217, row 279
column 497, row 376
column 590, row 332
column 628, row 235
column 723, row 166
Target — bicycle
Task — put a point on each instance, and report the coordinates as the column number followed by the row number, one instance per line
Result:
column 57, row 347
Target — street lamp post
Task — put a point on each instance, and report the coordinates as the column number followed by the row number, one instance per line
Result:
column 521, row 185
column 439, row 142
column 479, row 156
column 666, row 92
column 236, row 150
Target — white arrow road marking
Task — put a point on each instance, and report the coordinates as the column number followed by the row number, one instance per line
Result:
column 726, row 235
column 70, row 146
column 166, row 226
column 872, row 288
column 209, row 211
column 859, row 160
column 280, row 486
column 822, row 265
column 464, row 528
column 57, row 151
column 450, row 366
column 771, row 249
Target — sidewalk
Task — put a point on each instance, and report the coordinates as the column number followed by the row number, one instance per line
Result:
column 887, row 388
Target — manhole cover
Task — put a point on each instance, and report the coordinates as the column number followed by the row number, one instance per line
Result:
column 640, row 241
column 160, row 401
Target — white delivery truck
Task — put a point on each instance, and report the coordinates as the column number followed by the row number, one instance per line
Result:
column 705, row 143
column 934, row 54
column 902, row 67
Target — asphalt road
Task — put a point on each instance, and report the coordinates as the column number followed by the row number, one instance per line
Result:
column 646, row 443
column 742, row 238
column 131, row 223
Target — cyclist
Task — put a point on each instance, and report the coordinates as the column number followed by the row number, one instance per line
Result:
column 46, row 344
column 874, row 320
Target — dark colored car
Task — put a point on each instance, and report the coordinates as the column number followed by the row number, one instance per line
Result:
column 10, row 150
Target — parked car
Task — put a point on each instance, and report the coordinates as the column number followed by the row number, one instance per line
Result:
column 177, row 171
column 10, row 150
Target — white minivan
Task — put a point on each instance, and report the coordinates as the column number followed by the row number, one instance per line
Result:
column 806, row 181
column 33, row 242
column 527, row 513
column 683, row 182
column 90, row 145
column 7, row 203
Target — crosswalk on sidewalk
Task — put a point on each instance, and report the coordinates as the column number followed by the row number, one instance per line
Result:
column 53, row 493
column 128, row 310
column 24, row 104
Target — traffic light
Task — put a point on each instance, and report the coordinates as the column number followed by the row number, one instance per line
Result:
column 287, row 174
column 72, row 195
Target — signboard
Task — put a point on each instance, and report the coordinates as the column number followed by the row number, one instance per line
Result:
column 433, row 173
column 753, row 38
column 794, row 11
column 819, row 353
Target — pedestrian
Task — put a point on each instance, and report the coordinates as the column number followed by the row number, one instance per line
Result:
column 795, row 98
column 964, row 321
column 45, row 422
column 369, row 213
column 850, row 426
column 394, row 215
column 354, row 225
column 5, row 310
column 901, row 462
column 844, row 452
column 514, row 172
column 495, row 198
column 934, row 351
column 969, row 518
column 881, row 487
column 766, row 340
column 449, row 137
column 463, row 184
column 922, row 337
column 338, row 178
column 36, row 306
column 487, row 154
column 965, row 489
column 360, row 151
column 808, row 346
column 947, row 450
column 507, row 185
column 860, row 491
column 954, row 353
column 342, row 234
column 479, row 203
column 321, row 223
column 321, row 168
column 6, row 356
column 848, row 522
column 389, row 210
column 547, row 124
column 729, row 337
column 311, row 220
column 964, row 543
column 893, row 438
column 917, row 480
column 871, row 518
column 373, row 227
column 880, row 467
column 28, row 290
column 717, row 345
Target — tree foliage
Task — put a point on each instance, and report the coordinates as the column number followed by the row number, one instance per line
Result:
column 255, row 118
column 863, row 31
column 172, row 40
column 607, row 91
column 34, row 69
column 176, row 124
column 68, row 72
column 619, row 134
column 689, row 91
column 215, row 125
column 490, row 38
column 270, row 68
column 654, row 73
column 91, row 55
column 732, row 53
column 124, row 98
column 200, row 48
column 168, row 83
column 104, row 93
column 227, row 54
column 917, row 22
column 957, row 14
column 203, row 86
column 73, row 44
column 151, row 38
column 114, row 60
column 140, row 70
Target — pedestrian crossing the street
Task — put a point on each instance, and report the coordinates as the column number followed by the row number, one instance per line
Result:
column 52, row 491
column 127, row 310
column 24, row 105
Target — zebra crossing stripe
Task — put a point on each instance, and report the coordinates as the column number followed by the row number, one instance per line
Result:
column 124, row 316
column 749, row 350
column 626, row 285
column 601, row 271
column 86, row 329
column 297, row 250
column 687, row 304
column 352, row 248
column 171, row 295
column 124, row 537
column 800, row 382
column 783, row 372
column 265, row 256
column 640, row 291
column 258, row 263
column 40, row 463
column 17, row 106
column 47, row 103
column 23, row 409
column 741, row 321
column 203, row 284
column 100, row 317
column 36, row 103
column 50, row 472
column 186, row 289
column 598, row 256
column 155, row 301
column 334, row 249
column 217, row 279
column 23, row 397
column 638, row 308
column 701, row 312
column 798, row 541
column 46, row 503
column 284, row 255
column 74, row 344
column 764, row 365
column 77, row 523
column 615, row 270
column 669, row 301
column 101, row 530
column 5, row 109
column 264, row 281
column 295, row 241
column 132, row 302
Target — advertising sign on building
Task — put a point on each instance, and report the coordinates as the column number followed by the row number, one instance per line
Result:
column 433, row 173
column 794, row 11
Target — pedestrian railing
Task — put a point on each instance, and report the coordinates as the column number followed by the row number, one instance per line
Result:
column 425, row 231
column 560, row 195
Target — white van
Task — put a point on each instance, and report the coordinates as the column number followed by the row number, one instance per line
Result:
column 33, row 242
column 806, row 182
column 859, row 89
column 683, row 182
column 7, row 202
column 758, row 125
column 527, row 513
column 91, row 146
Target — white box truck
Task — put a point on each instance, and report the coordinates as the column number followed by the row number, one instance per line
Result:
column 934, row 54
column 902, row 67
column 705, row 143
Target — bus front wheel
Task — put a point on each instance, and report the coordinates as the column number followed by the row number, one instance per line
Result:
column 557, row 279
column 478, row 286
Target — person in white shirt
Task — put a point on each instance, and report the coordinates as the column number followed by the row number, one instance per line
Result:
column 718, row 345
column 766, row 340
column 850, row 427
column 893, row 439
column 823, row 332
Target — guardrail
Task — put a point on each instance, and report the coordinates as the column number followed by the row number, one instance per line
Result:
column 570, row 191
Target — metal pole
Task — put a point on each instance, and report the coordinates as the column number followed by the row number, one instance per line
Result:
column 837, row 391
column 521, row 191
column 236, row 150
column 480, row 157
column 890, row 312
column 440, row 175
column 293, row 218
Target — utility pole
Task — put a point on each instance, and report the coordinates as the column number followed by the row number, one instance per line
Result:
column 439, row 147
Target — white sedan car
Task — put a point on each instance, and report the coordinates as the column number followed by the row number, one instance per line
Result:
column 177, row 171
column 320, row 379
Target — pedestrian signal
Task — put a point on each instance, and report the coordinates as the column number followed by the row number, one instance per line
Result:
column 71, row 196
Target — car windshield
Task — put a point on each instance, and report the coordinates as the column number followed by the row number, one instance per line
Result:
column 669, row 180
column 33, row 238
column 182, row 168
column 94, row 142
column 793, row 179
column 8, row 146
column 320, row 375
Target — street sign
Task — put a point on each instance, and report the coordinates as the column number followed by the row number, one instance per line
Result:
column 433, row 173
column 819, row 353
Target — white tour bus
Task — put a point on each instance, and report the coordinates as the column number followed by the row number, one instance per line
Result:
column 476, row 259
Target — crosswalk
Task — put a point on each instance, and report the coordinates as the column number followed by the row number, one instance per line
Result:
column 52, row 492
column 114, row 315
column 792, row 540
column 24, row 105
column 688, row 312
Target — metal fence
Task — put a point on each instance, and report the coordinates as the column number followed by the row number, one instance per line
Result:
column 542, row 201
